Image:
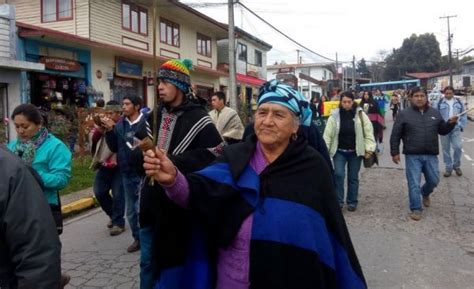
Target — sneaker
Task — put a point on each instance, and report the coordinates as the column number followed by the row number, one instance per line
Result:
column 458, row 172
column 415, row 215
column 116, row 230
column 65, row 278
column 351, row 208
column 426, row 201
column 447, row 174
column 109, row 224
column 135, row 246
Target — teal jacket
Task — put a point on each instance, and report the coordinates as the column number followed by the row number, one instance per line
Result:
column 365, row 141
column 53, row 163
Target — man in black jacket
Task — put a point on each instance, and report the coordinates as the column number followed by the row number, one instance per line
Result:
column 190, row 138
column 29, row 243
column 418, row 127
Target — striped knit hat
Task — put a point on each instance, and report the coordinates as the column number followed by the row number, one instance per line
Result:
column 176, row 71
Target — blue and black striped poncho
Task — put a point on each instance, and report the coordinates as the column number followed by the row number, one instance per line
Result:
column 299, row 236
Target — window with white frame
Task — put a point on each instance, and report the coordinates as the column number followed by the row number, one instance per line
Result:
column 134, row 18
column 169, row 32
column 56, row 10
column 258, row 58
column 242, row 51
column 204, row 45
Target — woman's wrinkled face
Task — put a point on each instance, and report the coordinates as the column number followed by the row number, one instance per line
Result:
column 25, row 128
column 274, row 124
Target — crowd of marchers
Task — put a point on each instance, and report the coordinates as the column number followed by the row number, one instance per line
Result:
column 211, row 203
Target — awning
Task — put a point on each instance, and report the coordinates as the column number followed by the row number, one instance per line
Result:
column 20, row 65
column 242, row 78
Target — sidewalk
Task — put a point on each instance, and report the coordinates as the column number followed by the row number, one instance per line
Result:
column 77, row 202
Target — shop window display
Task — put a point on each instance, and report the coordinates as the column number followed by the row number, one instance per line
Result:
column 59, row 99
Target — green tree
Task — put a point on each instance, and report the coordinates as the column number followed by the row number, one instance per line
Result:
column 362, row 68
column 418, row 53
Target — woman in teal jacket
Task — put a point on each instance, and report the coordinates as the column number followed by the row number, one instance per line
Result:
column 349, row 137
column 49, row 156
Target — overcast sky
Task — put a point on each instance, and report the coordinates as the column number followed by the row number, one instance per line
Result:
column 348, row 27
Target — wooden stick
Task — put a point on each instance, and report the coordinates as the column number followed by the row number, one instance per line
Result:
column 145, row 145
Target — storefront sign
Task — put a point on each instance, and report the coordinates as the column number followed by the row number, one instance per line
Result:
column 121, row 82
column 286, row 70
column 128, row 68
column 61, row 64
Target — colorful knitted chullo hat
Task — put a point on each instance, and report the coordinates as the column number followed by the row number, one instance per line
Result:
column 176, row 71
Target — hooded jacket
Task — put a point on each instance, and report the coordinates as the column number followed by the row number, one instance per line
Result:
column 29, row 244
column 363, row 130
column 53, row 163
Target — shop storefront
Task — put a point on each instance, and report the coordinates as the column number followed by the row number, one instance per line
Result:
column 66, row 78
column 128, row 79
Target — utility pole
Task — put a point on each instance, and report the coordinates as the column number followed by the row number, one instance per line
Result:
column 353, row 72
column 449, row 48
column 155, row 78
column 232, row 68
column 337, row 76
column 297, row 56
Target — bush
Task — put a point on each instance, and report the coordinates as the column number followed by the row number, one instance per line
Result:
column 82, row 176
column 3, row 133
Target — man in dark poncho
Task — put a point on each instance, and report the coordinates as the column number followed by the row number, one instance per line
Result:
column 186, row 132
column 267, row 208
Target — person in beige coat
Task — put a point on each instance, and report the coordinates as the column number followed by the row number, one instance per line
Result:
column 349, row 137
column 226, row 119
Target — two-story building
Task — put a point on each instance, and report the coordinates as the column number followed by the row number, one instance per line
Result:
column 250, row 62
column 311, row 78
column 11, row 69
column 105, row 48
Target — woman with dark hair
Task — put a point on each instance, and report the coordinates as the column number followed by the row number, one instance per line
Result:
column 371, row 108
column 317, row 106
column 46, row 154
column 349, row 138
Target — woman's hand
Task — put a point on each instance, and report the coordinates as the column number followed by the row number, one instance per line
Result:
column 158, row 166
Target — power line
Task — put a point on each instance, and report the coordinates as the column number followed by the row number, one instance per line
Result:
column 285, row 35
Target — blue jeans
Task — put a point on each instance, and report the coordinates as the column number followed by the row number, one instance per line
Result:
column 146, row 260
column 415, row 165
column 453, row 139
column 107, row 179
column 353, row 162
column 131, row 185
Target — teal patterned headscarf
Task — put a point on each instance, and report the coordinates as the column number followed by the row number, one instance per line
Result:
column 26, row 149
column 283, row 94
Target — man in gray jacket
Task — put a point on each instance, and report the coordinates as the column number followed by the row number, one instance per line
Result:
column 418, row 126
column 29, row 243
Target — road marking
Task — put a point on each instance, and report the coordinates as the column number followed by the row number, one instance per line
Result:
column 468, row 157
column 468, row 140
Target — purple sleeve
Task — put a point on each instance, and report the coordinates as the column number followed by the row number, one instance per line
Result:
column 179, row 191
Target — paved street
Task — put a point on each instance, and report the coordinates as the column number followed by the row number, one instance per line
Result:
column 395, row 252
column 93, row 258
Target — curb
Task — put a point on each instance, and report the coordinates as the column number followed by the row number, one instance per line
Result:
column 77, row 206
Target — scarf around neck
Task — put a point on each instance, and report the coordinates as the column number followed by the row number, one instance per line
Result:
column 26, row 149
